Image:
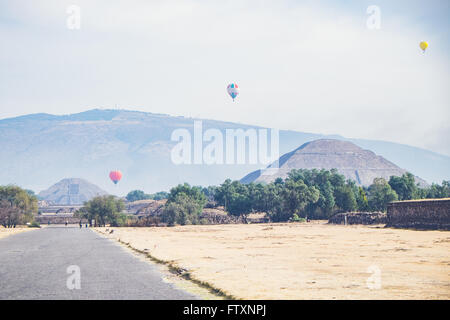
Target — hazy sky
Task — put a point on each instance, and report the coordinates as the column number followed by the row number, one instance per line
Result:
column 310, row 66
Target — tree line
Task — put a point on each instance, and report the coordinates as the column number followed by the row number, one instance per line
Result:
column 137, row 195
column 307, row 194
column 303, row 194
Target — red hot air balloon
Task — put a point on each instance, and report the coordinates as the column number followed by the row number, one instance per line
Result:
column 115, row 176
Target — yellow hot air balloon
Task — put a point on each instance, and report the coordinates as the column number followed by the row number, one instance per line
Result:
column 424, row 45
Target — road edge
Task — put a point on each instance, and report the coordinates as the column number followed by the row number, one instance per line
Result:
column 176, row 270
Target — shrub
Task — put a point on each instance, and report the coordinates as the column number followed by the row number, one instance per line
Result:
column 103, row 209
column 296, row 218
column 34, row 224
column 184, row 205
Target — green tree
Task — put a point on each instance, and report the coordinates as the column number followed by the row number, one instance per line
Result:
column 194, row 192
column 436, row 191
column 327, row 182
column 103, row 210
column 380, row 194
column 137, row 195
column 210, row 193
column 17, row 206
column 182, row 210
column 323, row 208
column 295, row 196
column 445, row 193
column 241, row 199
column 361, row 200
column 345, row 198
column 278, row 181
column 272, row 198
column 184, row 205
column 239, row 202
column 405, row 186
column 159, row 195
column 223, row 193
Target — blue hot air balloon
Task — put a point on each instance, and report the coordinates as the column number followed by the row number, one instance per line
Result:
column 233, row 90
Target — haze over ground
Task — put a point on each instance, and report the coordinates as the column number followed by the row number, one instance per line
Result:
column 39, row 150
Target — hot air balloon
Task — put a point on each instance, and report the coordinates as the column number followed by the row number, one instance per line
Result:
column 233, row 90
column 115, row 176
column 423, row 45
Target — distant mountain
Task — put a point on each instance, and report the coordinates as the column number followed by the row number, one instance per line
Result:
column 355, row 163
column 71, row 191
column 37, row 150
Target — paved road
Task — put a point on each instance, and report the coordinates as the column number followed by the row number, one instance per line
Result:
column 33, row 265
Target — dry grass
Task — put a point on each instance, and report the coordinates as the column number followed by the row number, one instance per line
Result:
column 303, row 261
column 4, row 232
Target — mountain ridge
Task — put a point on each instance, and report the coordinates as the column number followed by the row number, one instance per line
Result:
column 49, row 116
column 38, row 149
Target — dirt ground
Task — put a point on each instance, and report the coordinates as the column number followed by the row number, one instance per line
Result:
column 304, row 260
column 4, row 232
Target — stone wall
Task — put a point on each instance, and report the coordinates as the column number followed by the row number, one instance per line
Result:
column 365, row 218
column 58, row 209
column 419, row 214
column 55, row 219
